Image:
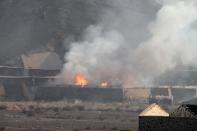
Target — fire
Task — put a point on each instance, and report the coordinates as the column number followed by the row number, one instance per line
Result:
column 80, row 80
column 104, row 84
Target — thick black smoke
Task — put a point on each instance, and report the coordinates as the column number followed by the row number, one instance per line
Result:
column 29, row 24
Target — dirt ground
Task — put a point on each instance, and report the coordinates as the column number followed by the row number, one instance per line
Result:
column 68, row 116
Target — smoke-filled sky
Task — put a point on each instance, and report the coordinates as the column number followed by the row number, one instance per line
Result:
column 129, row 42
column 135, row 42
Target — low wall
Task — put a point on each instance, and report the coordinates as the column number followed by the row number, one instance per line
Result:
column 21, row 88
column 154, row 123
column 19, row 71
column 18, row 88
column 86, row 94
column 180, row 94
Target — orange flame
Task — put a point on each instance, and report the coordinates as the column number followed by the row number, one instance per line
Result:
column 104, row 84
column 80, row 80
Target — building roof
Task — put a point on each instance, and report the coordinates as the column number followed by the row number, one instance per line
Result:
column 154, row 110
column 42, row 60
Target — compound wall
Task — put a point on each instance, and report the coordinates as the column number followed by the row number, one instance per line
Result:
column 52, row 93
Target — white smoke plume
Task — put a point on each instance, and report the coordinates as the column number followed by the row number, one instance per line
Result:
column 113, row 51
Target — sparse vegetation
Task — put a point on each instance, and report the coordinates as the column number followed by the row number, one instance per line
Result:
column 80, row 107
column 88, row 128
column 81, row 115
column 114, row 128
column 101, row 118
column 67, row 108
column 28, row 112
column 55, row 109
column 78, row 118
column 126, row 130
column 3, row 107
column 2, row 128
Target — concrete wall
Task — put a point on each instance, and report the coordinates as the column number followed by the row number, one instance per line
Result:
column 153, row 123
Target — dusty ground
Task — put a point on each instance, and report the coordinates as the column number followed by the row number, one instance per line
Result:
column 68, row 116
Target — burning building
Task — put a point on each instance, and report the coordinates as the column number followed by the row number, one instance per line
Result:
column 19, row 83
